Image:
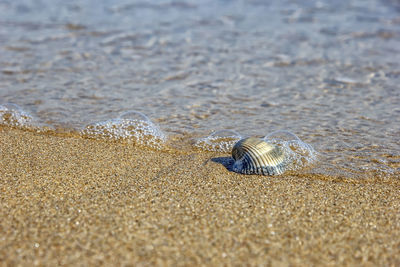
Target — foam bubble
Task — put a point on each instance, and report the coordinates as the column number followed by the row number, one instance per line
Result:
column 13, row 115
column 222, row 141
column 299, row 154
column 132, row 126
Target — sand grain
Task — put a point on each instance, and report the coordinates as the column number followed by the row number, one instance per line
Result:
column 74, row 201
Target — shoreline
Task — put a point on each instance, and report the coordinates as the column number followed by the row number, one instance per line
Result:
column 71, row 200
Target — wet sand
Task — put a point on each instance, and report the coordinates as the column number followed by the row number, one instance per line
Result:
column 74, row 201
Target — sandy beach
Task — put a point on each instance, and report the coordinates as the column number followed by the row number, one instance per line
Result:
column 66, row 200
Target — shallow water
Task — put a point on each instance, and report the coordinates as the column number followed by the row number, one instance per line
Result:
column 328, row 71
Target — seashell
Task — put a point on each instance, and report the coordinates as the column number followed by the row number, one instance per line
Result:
column 255, row 156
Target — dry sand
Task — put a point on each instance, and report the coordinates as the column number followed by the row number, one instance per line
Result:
column 74, row 201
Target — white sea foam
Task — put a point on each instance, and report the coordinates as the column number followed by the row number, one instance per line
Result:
column 299, row 154
column 222, row 141
column 13, row 115
column 132, row 126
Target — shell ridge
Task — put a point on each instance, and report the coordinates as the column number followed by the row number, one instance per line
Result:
column 248, row 165
column 273, row 160
column 250, row 158
column 255, row 156
column 279, row 156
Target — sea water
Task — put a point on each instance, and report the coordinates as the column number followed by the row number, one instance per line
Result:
column 213, row 71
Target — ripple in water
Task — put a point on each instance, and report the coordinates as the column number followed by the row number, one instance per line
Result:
column 299, row 154
column 132, row 126
column 221, row 141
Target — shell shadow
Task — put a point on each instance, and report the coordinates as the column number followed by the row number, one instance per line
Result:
column 227, row 162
